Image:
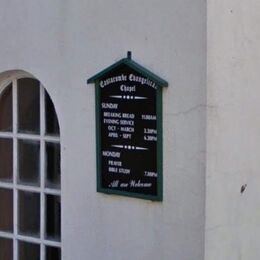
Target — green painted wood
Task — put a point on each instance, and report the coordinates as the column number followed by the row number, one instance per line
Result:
column 159, row 143
column 133, row 65
column 98, row 134
column 159, row 116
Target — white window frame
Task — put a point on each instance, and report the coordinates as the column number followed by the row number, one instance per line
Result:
column 15, row 186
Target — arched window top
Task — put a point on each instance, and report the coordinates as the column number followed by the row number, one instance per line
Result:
column 29, row 100
column 30, row 204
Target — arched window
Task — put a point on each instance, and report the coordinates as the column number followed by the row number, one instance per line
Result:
column 30, row 204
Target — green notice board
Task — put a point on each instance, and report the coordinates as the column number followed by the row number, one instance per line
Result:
column 129, row 130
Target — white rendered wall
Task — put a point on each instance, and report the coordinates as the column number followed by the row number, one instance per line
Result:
column 233, row 150
column 62, row 43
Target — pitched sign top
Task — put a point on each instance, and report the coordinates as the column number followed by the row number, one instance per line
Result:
column 133, row 65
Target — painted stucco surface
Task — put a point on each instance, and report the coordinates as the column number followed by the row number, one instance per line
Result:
column 232, row 217
column 62, row 43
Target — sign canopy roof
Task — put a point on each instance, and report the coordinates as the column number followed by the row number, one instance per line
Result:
column 133, row 65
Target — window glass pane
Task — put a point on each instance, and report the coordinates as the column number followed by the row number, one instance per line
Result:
column 29, row 213
column 52, row 165
column 6, row 249
column 52, row 125
column 6, row 110
column 53, row 217
column 52, row 253
column 28, row 105
column 6, row 159
column 29, row 162
column 6, row 210
column 29, row 251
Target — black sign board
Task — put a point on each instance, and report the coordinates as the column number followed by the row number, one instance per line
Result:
column 129, row 138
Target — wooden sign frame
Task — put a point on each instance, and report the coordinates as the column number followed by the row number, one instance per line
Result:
column 153, row 81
